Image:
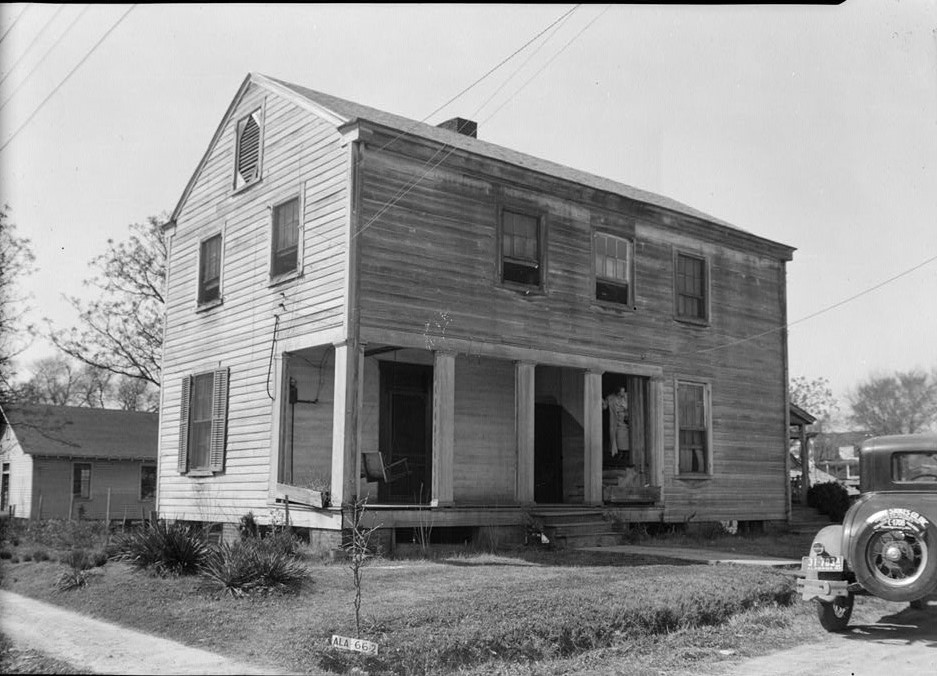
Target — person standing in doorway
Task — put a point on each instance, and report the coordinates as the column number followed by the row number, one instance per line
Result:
column 619, row 422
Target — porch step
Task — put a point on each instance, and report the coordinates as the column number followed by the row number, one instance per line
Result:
column 584, row 527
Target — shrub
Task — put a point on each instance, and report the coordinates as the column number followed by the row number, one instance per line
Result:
column 830, row 498
column 247, row 527
column 6, row 554
column 27, row 557
column 254, row 565
column 40, row 554
column 166, row 548
column 76, row 577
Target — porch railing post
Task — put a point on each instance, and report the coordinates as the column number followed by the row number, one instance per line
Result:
column 592, row 430
column 524, row 412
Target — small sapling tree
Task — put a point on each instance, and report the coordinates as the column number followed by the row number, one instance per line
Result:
column 358, row 549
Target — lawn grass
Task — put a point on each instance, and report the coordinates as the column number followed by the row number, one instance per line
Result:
column 521, row 611
column 485, row 612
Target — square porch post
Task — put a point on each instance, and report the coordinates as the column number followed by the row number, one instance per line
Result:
column 592, row 429
column 349, row 358
column 524, row 428
column 443, row 427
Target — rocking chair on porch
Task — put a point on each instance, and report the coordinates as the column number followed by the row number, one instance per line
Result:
column 373, row 468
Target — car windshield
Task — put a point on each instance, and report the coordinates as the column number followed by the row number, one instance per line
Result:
column 914, row 466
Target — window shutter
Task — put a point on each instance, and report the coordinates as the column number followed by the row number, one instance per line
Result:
column 248, row 152
column 183, row 459
column 219, row 420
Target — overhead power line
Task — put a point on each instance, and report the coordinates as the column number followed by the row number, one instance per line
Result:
column 70, row 73
column 44, row 56
column 822, row 311
column 15, row 21
column 32, row 43
column 403, row 192
column 491, row 71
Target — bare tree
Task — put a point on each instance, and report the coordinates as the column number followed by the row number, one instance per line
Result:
column 814, row 396
column 59, row 381
column 16, row 261
column 903, row 403
column 121, row 330
column 134, row 394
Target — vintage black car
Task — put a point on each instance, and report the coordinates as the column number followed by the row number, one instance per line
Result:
column 887, row 543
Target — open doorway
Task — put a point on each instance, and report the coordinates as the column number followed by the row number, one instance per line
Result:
column 406, row 432
column 626, row 462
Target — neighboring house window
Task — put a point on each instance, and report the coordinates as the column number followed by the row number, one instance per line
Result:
column 693, row 429
column 209, row 270
column 691, row 287
column 285, row 254
column 248, row 152
column 147, row 482
column 5, row 487
column 81, row 480
column 614, row 258
column 521, row 249
column 203, row 422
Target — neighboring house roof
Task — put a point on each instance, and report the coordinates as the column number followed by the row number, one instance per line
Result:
column 800, row 417
column 341, row 112
column 73, row 432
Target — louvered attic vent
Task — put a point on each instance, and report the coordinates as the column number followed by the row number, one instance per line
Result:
column 248, row 150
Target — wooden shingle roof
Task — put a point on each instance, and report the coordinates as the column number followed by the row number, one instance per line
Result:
column 73, row 432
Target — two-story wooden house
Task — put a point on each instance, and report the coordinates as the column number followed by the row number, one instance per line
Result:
column 345, row 282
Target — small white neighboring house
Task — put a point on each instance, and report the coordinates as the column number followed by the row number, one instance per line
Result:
column 64, row 461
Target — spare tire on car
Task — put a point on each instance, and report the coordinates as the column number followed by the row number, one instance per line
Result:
column 895, row 555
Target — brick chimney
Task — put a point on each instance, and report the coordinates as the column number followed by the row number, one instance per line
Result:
column 461, row 126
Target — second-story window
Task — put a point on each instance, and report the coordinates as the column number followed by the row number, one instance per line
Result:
column 691, row 288
column 248, row 151
column 521, row 249
column 285, row 240
column 613, row 269
column 209, row 270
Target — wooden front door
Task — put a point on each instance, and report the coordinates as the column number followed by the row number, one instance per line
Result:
column 548, row 454
column 406, row 420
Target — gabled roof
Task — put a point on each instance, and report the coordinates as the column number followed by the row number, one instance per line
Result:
column 800, row 417
column 341, row 112
column 73, row 432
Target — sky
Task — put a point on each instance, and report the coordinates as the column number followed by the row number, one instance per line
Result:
column 813, row 126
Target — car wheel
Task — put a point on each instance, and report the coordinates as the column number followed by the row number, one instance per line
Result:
column 896, row 563
column 834, row 615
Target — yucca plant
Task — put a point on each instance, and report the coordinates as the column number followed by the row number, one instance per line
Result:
column 253, row 565
column 166, row 548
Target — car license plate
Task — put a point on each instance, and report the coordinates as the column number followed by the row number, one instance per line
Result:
column 824, row 564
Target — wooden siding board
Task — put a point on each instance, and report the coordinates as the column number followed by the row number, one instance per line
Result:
column 300, row 153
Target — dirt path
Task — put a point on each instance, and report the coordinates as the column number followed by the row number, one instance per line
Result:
column 902, row 644
column 104, row 648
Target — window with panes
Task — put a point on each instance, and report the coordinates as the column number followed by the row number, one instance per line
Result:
column 209, row 275
column 691, row 287
column 613, row 268
column 521, row 248
column 285, row 240
column 693, row 420
column 81, row 480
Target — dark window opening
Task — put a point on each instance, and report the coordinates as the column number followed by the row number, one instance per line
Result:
column 81, row 480
column 209, row 278
column 200, row 418
column 147, row 482
column 520, row 249
column 694, row 451
column 285, row 237
column 613, row 269
column 691, row 287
